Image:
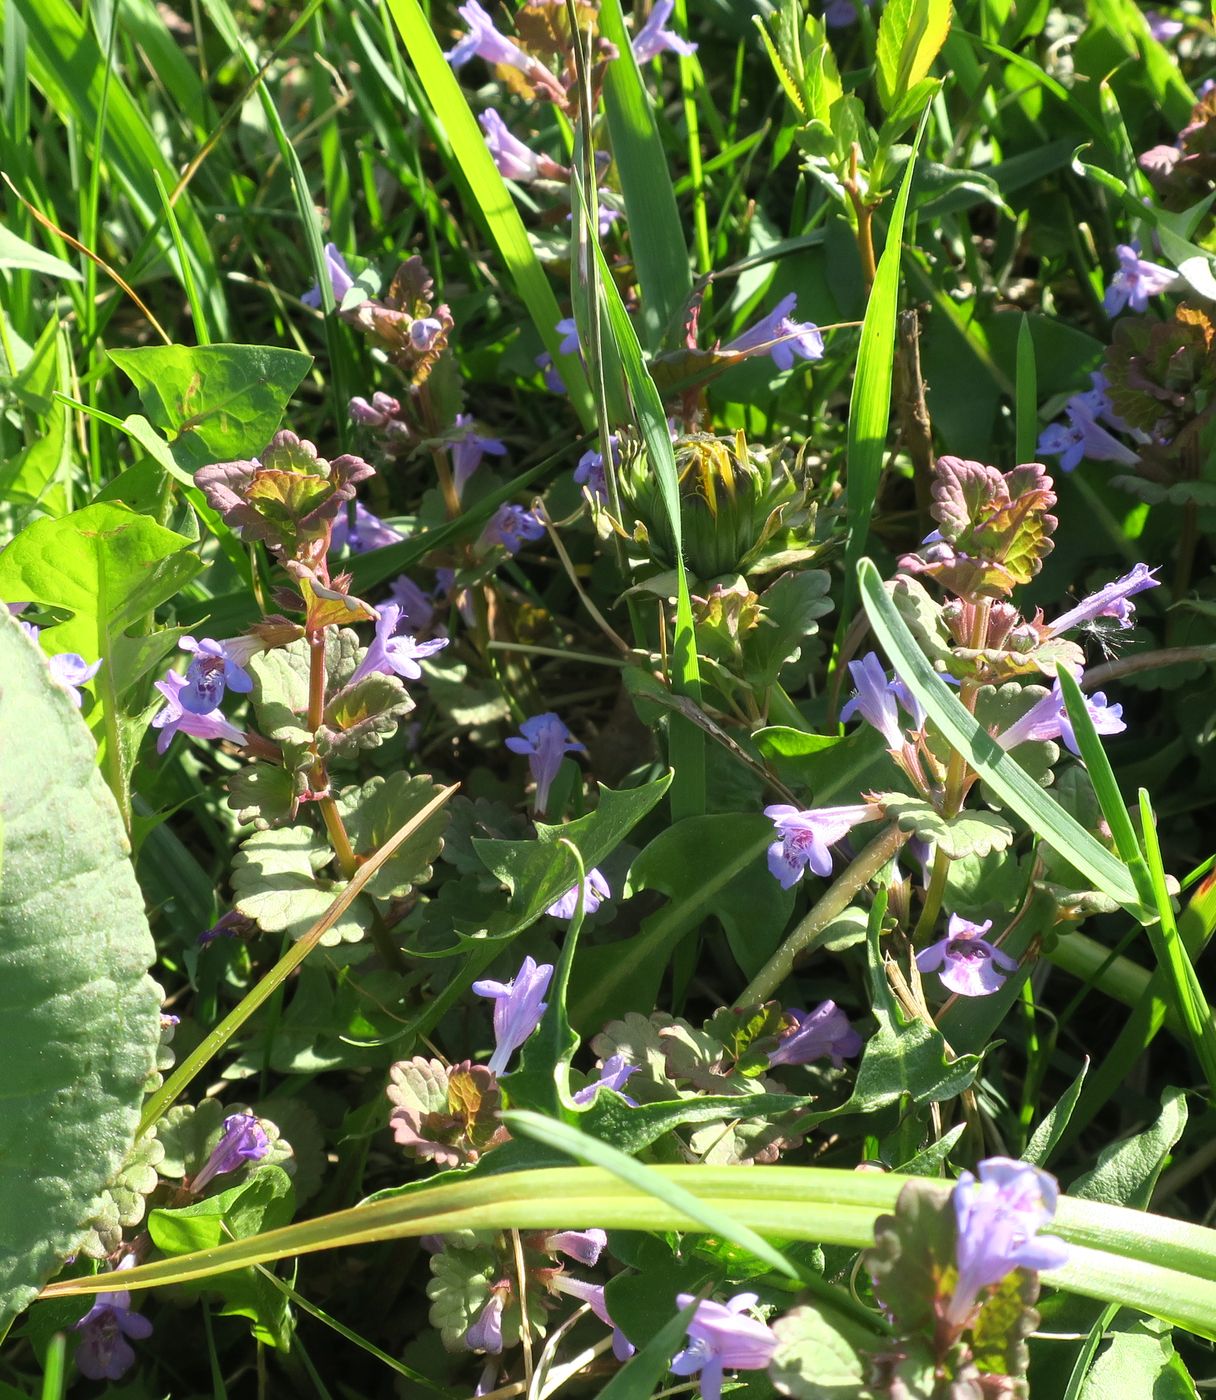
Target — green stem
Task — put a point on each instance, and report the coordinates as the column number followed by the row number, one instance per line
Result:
column 829, row 908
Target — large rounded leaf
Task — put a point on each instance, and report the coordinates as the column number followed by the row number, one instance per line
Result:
column 79, row 1015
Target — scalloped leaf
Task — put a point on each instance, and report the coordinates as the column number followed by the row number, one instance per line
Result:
column 379, row 808
column 818, row 1357
column 276, row 882
column 81, row 1024
column 363, row 716
column 968, row 834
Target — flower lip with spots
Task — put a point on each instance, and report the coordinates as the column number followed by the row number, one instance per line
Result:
column 104, row 1352
column 242, row 1140
column 825, row 1031
column 390, row 653
column 803, row 838
column 779, row 336
column 211, row 671
column 173, row 717
column 1048, row 719
column 546, row 741
column 965, row 961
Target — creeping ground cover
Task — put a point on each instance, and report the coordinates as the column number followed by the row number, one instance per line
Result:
column 607, row 699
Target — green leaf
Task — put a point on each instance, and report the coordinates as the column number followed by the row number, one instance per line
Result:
column 1140, row 1360
column 276, row 882
column 1047, row 1135
column 656, row 238
column 1027, row 405
column 81, row 1023
column 1128, row 1170
column 818, row 1357
column 910, row 35
column 537, row 872
column 216, row 403
column 695, row 862
column 912, row 1260
column 1043, row 815
column 1007, row 1318
column 870, row 404
column 364, row 716
column 970, row 833
column 384, row 805
column 17, row 253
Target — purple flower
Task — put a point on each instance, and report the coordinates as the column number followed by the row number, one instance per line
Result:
column 965, row 961
column 653, row 38
column 243, row 1140
column 424, row 331
column 514, row 160
column 1109, row 601
column 590, row 470
column 824, row 1031
column 568, row 331
column 340, row 279
column 585, row 1246
column 1084, row 437
column 595, row 891
column 997, row 1218
column 1048, row 719
column 1161, row 27
column 781, row 337
column 417, row 609
column 723, row 1336
column 485, row 42
column 838, row 13
column 803, row 838
column 212, row 670
column 614, row 1074
column 382, row 410
column 518, row 1007
column 370, row 531
column 553, row 381
column 174, row 717
column 104, row 1353
column 68, row 668
column 593, row 1295
column 1136, row 280
column 510, row 526
column 233, row 924
column 390, row 653
column 468, row 448
column 545, row 740
column 486, row 1333
column 874, row 699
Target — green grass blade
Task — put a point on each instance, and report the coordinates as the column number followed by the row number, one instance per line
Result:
column 870, row 405
column 656, row 233
column 1026, row 406
column 1041, row 812
column 592, row 1152
column 637, row 1379
column 1149, row 1262
column 489, row 194
column 1172, row 956
column 687, row 741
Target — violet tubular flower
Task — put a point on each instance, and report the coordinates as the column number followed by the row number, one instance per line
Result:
column 173, row 718
column 614, row 1075
column 210, row 673
column 568, row 331
column 584, row 1246
column 1082, row 438
column 723, row 1337
column 511, row 526
column 780, row 336
column 874, row 699
column 340, row 279
column 515, row 160
column 243, row 1140
column 1135, row 281
column 1048, row 719
column 1112, row 600
column 370, row 532
column 655, row 38
column 595, row 891
column 468, row 449
column 803, row 838
column 965, row 961
column 593, row 1295
column 485, row 42
column 998, row 1218
column 591, row 471
column 104, row 1352
column 518, row 1006
column 486, row 1333
column 394, row 654
column 68, row 668
column 545, row 740
column 823, row 1032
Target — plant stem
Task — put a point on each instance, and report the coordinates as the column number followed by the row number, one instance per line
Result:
column 336, row 829
column 833, row 903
